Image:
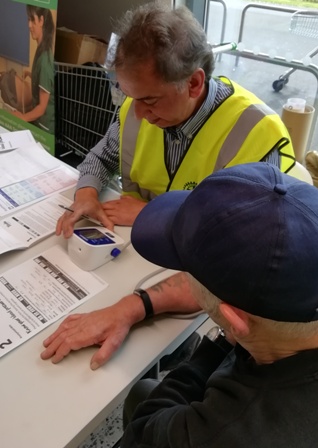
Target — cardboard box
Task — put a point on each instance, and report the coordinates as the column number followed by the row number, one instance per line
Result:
column 74, row 48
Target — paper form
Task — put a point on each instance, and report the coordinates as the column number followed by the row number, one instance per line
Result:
column 36, row 188
column 17, row 139
column 26, row 162
column 34, row 223
column 40, row 291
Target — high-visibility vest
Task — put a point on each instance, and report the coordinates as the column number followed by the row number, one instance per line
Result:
column 242, row 129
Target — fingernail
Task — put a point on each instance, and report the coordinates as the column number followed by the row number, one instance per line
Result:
column 94, row 366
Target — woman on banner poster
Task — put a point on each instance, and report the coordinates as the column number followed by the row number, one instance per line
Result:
column 41, row 112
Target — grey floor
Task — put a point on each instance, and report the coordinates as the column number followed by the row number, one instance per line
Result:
column 107, row 433
column 265, row 32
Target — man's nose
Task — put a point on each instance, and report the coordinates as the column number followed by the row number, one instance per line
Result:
column 142, row 110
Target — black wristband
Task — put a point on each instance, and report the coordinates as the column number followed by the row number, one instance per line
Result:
column 146, row 301
column 217, row 336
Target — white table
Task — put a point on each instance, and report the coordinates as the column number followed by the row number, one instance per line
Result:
column 56, row 406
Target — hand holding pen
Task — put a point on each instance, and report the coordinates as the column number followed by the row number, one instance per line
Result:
column 89, row 218
column 86, row 205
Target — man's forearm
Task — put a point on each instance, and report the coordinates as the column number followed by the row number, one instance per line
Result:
column 173, row 295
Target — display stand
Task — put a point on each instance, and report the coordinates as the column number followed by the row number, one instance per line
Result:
column 27, row 41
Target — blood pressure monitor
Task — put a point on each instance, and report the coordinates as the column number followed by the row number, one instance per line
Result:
column 91, row 247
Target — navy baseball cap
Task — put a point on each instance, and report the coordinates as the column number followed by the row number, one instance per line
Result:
column 248, row 233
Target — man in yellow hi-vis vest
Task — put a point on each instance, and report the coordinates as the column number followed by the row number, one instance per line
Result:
column 177, row 125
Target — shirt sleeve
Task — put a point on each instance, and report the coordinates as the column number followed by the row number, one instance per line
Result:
column 169, row 416
column 102, row 162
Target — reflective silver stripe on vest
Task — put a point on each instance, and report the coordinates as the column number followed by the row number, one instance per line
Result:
column 235, row 139
column 129, row 140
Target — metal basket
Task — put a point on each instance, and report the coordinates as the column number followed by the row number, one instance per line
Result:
column 85, row 106
column 304, row 23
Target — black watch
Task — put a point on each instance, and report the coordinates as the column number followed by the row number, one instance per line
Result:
column 217, row 335
column 146, row 301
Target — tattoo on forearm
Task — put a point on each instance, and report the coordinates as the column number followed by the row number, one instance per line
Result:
column 175, row 281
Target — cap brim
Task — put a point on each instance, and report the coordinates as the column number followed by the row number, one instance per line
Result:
column 152, row 231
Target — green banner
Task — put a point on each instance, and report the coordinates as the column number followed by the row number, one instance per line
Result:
column 27, row 42
column 12, row 123
column 50, row 4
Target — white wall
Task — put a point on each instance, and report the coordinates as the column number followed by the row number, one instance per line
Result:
column 93, row 16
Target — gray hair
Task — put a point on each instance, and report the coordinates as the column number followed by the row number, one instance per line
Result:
column 173, row 39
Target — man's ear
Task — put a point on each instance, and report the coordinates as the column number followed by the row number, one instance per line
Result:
column 196, row 83
column 238, row 320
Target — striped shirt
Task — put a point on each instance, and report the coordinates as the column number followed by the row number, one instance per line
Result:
column 102, row 162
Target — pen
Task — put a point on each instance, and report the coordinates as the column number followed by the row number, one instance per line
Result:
column 83, row 216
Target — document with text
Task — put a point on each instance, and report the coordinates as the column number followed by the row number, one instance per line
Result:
column 34, row 189
column 40, row 291
column 17, row 139
column 32, row 224
column 24, row 163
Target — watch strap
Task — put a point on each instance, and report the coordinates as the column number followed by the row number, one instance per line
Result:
column 146, row 301
column 217, row 335
column 223, row 343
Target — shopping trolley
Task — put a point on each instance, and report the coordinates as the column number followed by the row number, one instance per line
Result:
column 86, row 103
column 303, row 23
